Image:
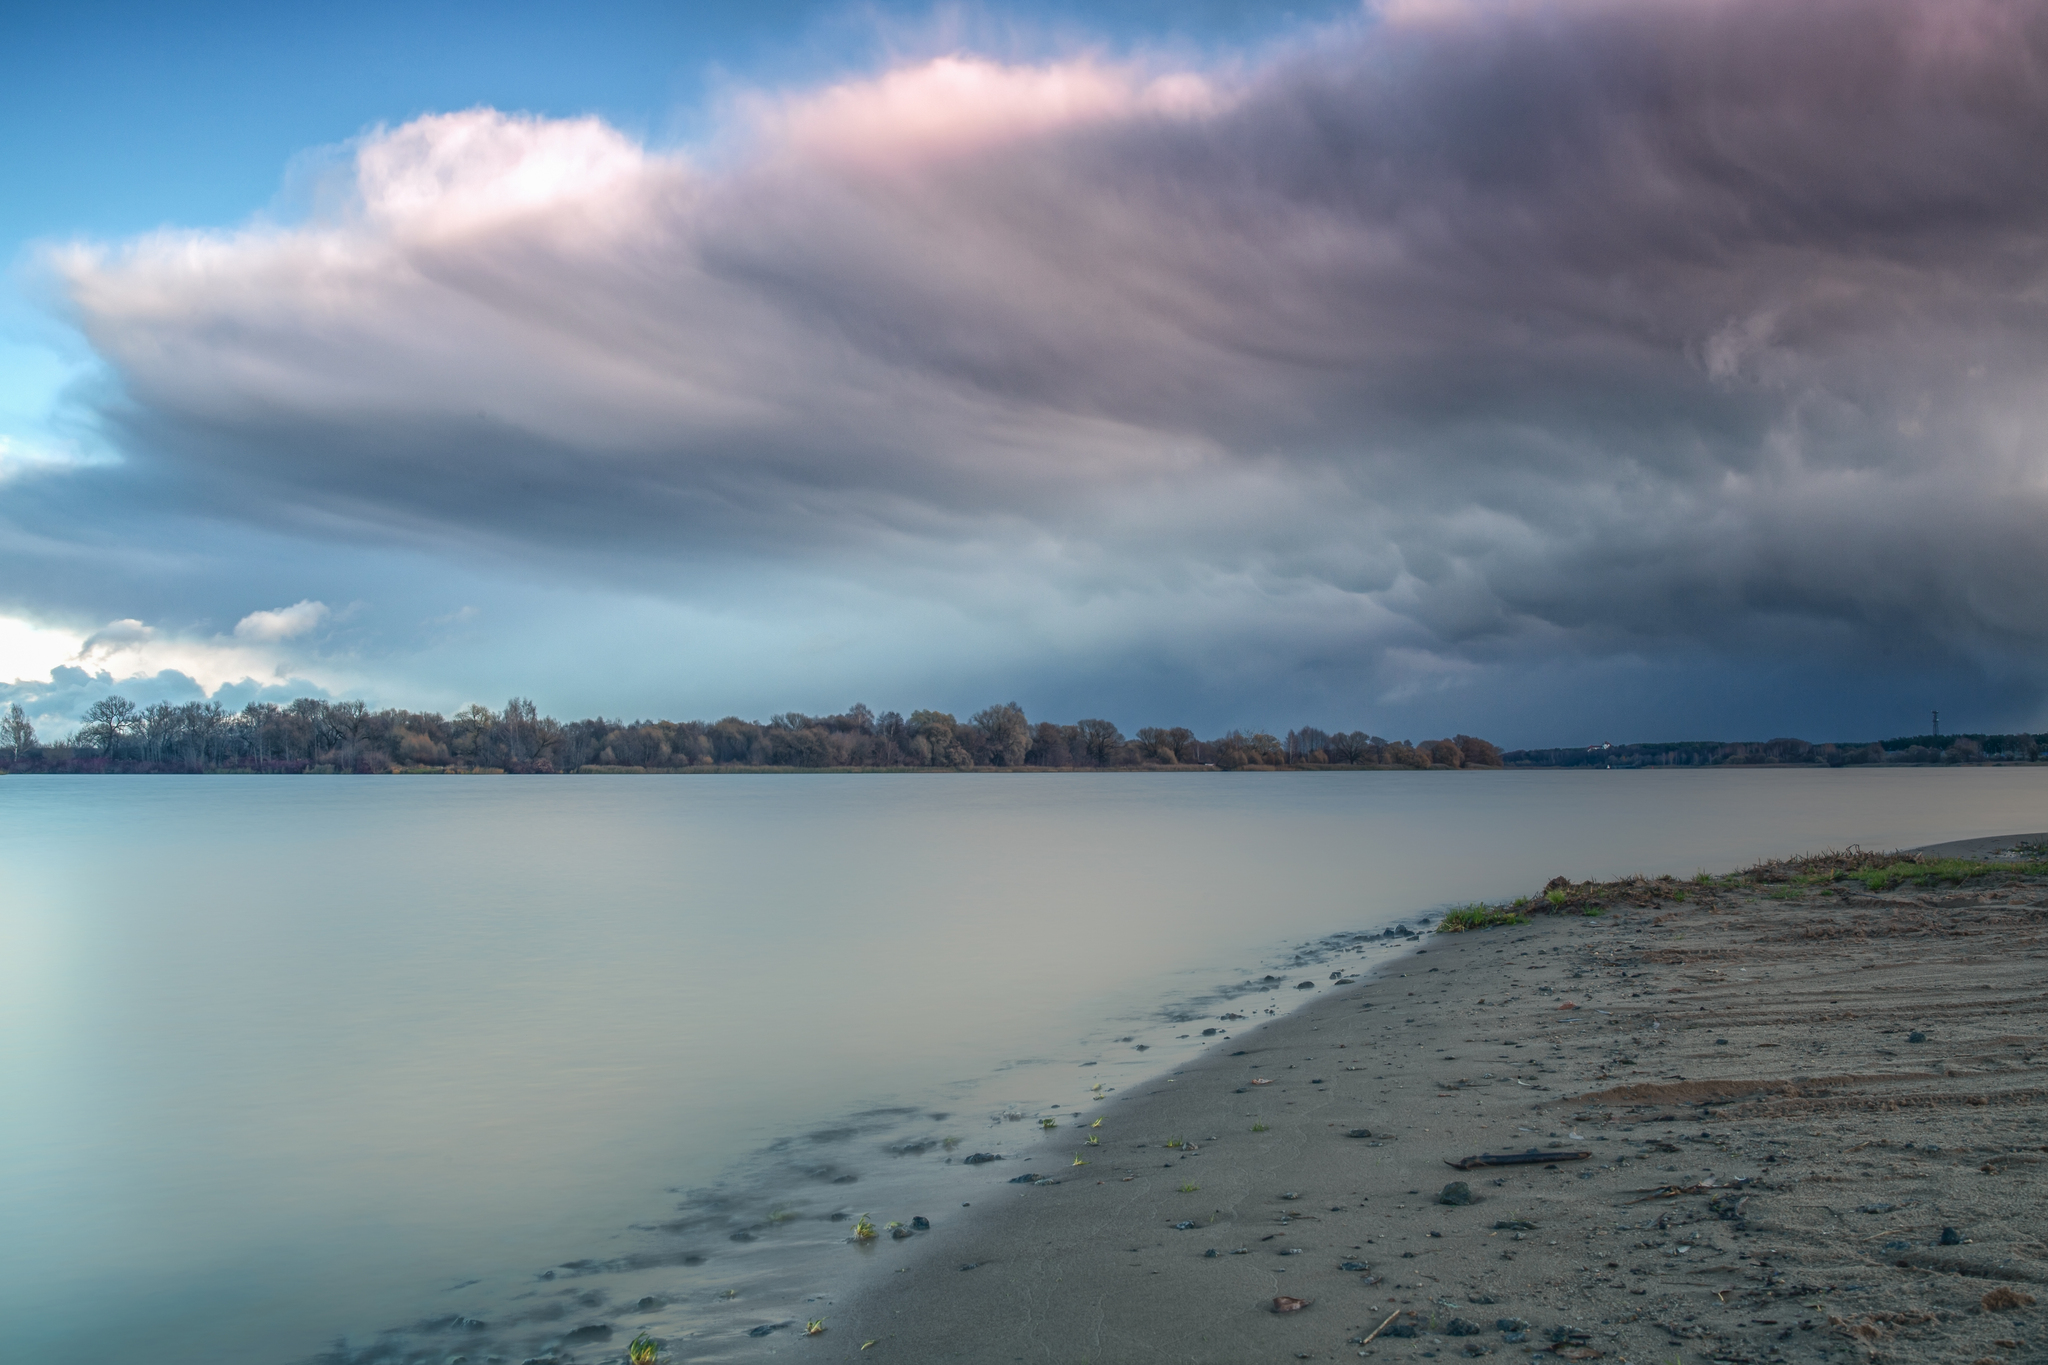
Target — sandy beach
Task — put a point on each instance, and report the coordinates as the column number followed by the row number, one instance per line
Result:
column 1811, row 1103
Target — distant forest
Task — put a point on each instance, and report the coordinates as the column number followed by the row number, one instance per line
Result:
column 310, row 735
column 1714, row 753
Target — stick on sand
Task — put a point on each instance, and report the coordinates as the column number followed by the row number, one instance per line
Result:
column 1382, row 1327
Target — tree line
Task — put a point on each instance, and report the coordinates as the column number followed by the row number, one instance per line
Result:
column 315, row 735
column 1906, row 749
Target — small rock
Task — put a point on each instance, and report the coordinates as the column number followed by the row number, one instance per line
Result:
column 970, row 1265
column 1360, row 1133
column 1183, row 1227
column 765, row 1328
column 979, row 1157
column 1479, row 1298
column 921, row 1223
column 1403, row 1329
column 1210, row 1254
column 1290, row 1251
column 1290, row 1195
column 1514, row 1338
column 1024, row 1179
column 596, row 1331
column 741, row 1236
column 1511, row 1324
column 1457, row 1193
column 1916, row 1036
column 1463, row 1327
column 1208, row 1033
column 1514, row 1225
column 899, row 1233
column 650, row 1304
column 1306, row 986
column 1951, row 1238
column 1354, row 1265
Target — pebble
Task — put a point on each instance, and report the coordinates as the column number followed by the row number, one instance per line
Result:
column 921, row 1223
column 1456, row 1193
column 1951, row 1238
column 979, row 1157
column 1916, row 1036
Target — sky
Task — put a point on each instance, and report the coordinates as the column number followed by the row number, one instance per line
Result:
column 1560, row 371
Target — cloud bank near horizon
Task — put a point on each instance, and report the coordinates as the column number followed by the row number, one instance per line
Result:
column 1468, row 360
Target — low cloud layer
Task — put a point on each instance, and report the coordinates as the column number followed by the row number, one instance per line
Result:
column 1465, row 349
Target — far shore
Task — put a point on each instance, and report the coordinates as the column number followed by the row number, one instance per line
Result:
column 1794, row 1114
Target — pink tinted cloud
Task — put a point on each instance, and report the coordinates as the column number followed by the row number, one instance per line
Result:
column 1622, row 320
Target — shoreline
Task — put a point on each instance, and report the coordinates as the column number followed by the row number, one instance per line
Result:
column 1746, row 1033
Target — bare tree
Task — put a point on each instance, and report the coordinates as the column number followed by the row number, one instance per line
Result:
column 1101, row 739
column 107, row 722
column 17, row 731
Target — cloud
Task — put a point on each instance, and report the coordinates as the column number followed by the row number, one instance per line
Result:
column 60, row 672
column 57, row 703
column 285, row 623
column 1456, row 339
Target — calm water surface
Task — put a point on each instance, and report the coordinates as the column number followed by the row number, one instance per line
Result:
column 285, row 1061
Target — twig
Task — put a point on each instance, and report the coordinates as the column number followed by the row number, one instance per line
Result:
column 1382, row 1327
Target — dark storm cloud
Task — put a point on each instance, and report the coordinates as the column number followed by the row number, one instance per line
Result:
column 1463, row 335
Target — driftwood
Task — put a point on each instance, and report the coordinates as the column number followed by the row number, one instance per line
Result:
column 1382, row 1327
column 1531, row 1157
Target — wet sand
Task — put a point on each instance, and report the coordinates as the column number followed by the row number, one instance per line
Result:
column 1774, row 1159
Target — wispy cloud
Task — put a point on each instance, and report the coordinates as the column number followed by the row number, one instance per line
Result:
column 1460, row 337
column 284, row 623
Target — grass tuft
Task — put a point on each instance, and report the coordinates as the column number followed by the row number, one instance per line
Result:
column 1476, row 916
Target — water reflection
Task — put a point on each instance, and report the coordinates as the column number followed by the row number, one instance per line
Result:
column 289, row 1060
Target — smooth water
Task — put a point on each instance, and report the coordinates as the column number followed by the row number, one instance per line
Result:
column 288, row 1060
